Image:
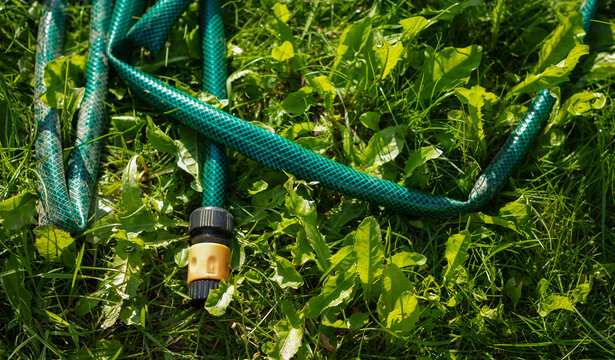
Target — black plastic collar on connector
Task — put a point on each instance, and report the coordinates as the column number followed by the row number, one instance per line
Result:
column 211, row 224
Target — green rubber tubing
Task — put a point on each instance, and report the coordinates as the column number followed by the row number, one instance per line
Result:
column 159, row 20
column 250, row 140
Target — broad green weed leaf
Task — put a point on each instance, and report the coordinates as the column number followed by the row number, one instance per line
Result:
column 318, row 244
column 553, row 75
column 397, row 308
column 369, row 252
column 280, row 11
column 456, row 254
column 579, row 294
column 302, row 251
column 122, row 283
column 188, row 155
column 568, row 34
column 324, row 88
column 602, row 67
column 446, row 69
column 475, row 98
column 388, row 56
column 283, row 52
column 130, row 187
column 512, row 289
column 370, row 120
column 343, row 259
column 353, row 322
column 334, row 291
column 287, row 340
column 352, row 41
column 64, row 78
column 220, row 298
column 404, row 259
column 299, row 101
column 12, row 281
column 285, row 274
column 18, row 211
column 50, row 242
column 412, row 27
column 158, row 139
column 420, row 157
column 181, row 256
column 383, row 147
column 554, row 302
column 582, row 104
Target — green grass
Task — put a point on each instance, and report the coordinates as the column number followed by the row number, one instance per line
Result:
column 547, row 237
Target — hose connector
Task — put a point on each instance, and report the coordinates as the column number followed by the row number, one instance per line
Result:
column 209, row 255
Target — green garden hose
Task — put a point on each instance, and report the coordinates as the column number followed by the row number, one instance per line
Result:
column 270, row 149
column 65, row 200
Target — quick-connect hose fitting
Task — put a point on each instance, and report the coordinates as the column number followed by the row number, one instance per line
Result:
column 211, row 229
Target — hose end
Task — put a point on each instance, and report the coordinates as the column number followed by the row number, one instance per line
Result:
column 209, row 255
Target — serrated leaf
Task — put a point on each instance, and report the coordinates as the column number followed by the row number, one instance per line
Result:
column 553, row 75
column 18, row 211
column 397, row 307
column 50, row 242
column 299, row 101
column 285, row 274
column 334, row 291
column 420, row 157
column 404, row 259
column 412, row 27
column 369, row 252
column 475, row 98
column 568, row 34
column 388, row 56
column 554, row 302
column 456, row 254
column 287, row 340
column 220, row 298
column 283, row 52
column 446, row 69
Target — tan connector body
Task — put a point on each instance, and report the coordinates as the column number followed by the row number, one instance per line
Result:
column 208, row 261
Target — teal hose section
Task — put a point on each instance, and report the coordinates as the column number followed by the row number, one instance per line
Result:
column 281, row 154
column 65, row 200
column 214, row 176
column 64, row 203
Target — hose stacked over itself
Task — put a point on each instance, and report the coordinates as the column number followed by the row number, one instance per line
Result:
column 65, row 200
column 281, row 154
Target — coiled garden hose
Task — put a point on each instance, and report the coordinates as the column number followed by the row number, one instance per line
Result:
column 222, row 128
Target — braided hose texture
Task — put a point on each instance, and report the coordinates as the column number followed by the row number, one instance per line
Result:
column 65, row 200
column 220, row 127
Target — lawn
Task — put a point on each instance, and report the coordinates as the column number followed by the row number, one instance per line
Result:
column 422, row 93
